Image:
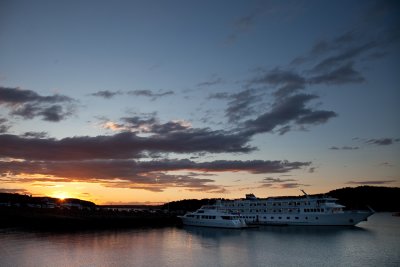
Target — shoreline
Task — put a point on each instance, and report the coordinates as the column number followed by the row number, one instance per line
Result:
column 64, row 220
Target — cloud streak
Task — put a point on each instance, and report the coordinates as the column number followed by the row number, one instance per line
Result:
column 278, row 183
column 371, row 182
column 151, row 175
column 382, row 141
column 106, row 94
column 287, row 111
column 151, row 94
column 122, row 145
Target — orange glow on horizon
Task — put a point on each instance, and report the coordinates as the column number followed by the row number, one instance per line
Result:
column 60, row 195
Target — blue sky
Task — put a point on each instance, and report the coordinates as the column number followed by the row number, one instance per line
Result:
column 164, row 100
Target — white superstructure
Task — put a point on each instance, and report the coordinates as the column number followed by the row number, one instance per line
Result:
column 212, row 216
column 306, row 210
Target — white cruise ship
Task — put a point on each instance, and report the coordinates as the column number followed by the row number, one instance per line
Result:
column 306, row 210
column 212, row 216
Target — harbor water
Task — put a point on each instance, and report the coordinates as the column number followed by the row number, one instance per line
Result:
column 372, row 243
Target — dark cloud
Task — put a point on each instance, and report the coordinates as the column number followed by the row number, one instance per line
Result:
column 15, row 96
column 386, row 164
column 54, row 113
column 374, row 182
column 315, row 117
column 382, row 141
column 285, row 111
column 277, row 180
column 122, row 145
column 35, row 134
column 4, row 125
column 152, row 125
column 150, row 94
column 342, row 75
column 146, row 93
column 292, row 185
column 241, row 105
column 343, row 57
column 279, row 183
column 214, row 80
column 28, row 104
column 344, row 148
column 106, row 94
column 220, row 96
column 332, row 61
column 283, row 185
column 287, row 81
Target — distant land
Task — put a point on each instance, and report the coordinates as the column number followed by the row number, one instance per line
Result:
column 69, row 214
column 52, row 214
column 378, row 198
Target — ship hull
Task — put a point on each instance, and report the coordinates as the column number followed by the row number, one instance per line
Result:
column 336, row 219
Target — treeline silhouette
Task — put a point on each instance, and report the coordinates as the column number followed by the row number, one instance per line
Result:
column 377, row 197
column 27, row 200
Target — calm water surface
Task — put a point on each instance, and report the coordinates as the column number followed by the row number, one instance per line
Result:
column 372, row 243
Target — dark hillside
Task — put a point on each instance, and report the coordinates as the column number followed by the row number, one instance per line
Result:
column 187, row 204
column 377, row 197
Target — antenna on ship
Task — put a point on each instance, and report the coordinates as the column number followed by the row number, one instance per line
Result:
column 304, row 193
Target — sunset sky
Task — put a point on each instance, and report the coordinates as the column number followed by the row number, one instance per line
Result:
column 154, row 101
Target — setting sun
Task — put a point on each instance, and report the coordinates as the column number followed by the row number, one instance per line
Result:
column 60, row 195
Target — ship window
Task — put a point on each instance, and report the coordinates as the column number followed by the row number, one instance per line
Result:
column 306, row 218
column 265, row 217
column 322, row 210
column 296, row 218
column 280, row 218
column 272, row 217
column 288, row 218
column 316, row 218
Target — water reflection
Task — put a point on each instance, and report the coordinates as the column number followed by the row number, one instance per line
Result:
column 374, row 243
column 218, row 233
column 215, row 233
